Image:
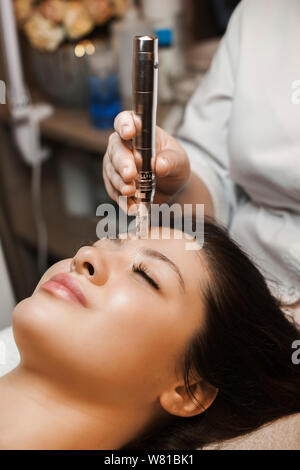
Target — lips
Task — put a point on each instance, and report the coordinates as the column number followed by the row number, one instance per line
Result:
column 66, row 288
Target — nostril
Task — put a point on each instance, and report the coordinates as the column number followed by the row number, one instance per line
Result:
column 89, row 267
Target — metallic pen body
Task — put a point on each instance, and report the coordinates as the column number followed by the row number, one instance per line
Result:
column 145, row 82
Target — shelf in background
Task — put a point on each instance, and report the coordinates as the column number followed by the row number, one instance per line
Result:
column 70, row 126
column 73, row 126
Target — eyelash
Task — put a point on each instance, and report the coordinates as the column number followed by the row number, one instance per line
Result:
column 144, row 272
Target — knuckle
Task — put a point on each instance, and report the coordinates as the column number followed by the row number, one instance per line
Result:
column 112, row 138
column 105, row 177
column 118, row 160
column 106, row 185
column 103, row 173
column 104, row 167
column 116, row 182
column 105, row 160
column 109, row 170
column 110, row 191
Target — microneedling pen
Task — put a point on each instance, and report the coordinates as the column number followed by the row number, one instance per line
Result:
column 145, row 81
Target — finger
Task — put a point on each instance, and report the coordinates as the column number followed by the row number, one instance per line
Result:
column 117, row 182
column 121, row 158
column 125, row 125
column 126, row 203
column 113, row 194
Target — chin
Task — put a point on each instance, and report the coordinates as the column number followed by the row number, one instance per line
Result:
column 29, row 322
column 22, row 314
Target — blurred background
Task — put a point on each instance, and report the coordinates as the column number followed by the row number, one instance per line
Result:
column 67, row 73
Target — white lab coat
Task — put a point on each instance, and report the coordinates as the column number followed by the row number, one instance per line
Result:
column 242, row 133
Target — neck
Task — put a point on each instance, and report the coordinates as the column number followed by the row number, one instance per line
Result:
column 34, row 414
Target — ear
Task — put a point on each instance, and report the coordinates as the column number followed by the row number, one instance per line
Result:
column 178, row 402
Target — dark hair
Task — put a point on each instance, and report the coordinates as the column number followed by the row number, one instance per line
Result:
column 244, row 349
column 232, row 3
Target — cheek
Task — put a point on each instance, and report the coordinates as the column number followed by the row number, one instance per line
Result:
column 136, row 334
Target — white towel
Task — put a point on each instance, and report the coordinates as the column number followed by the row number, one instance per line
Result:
column 9, row 354
column 282, row 434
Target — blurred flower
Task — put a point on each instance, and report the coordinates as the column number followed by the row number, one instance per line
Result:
column 53, row 10
column 99, row 10
column 23, row 9
column 48, row 22
column 43, row 33
column 77, row 20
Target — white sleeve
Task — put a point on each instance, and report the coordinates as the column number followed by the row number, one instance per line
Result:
column 204, row 132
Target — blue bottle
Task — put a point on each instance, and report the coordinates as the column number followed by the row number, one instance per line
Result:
column 104, row 94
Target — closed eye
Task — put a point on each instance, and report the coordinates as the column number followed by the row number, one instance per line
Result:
column 143, row 271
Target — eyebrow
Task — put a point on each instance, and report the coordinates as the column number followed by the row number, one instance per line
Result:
column 160, row 257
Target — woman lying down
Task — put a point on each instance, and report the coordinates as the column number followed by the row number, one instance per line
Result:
column 143, row 344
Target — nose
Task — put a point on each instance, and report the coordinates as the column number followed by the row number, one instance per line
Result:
column 91, row 262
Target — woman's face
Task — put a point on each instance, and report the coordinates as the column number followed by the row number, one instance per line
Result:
column 117, row 332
